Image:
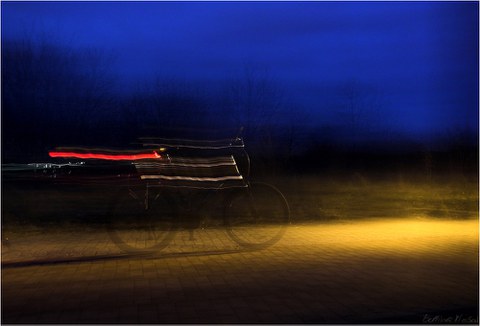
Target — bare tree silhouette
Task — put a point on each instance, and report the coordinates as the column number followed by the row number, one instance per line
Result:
column 255, row 101
column 360, row 111
column 51, row 91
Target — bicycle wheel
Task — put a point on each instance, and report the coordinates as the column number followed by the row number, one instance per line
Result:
column 256, row 217
column 136, row 228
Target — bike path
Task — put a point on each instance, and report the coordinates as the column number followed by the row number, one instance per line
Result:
column 416, row 271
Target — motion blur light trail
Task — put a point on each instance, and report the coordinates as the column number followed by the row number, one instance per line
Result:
column 110, row 157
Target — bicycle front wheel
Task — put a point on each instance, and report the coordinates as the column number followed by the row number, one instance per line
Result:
column 256, row 217
column 138, row 227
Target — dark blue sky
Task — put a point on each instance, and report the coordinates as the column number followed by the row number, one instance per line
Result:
column 419, row 60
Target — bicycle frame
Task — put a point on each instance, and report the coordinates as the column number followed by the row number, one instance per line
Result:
column 167, row 165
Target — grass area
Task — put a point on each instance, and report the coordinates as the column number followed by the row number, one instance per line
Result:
column 38, row 204
column 326, row 197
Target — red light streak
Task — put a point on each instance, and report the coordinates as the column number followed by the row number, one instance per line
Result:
column 111, row 157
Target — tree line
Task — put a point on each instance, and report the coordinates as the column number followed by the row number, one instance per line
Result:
column 54, row 95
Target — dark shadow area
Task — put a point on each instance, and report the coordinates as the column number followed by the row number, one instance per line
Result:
column 113, row 257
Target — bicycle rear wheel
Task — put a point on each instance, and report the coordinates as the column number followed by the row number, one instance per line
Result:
column 137, row 228
column 256, row 217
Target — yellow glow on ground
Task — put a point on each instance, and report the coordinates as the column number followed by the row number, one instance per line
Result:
column 398, row 236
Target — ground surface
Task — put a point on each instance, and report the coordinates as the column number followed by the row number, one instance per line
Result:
column 417, row 270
